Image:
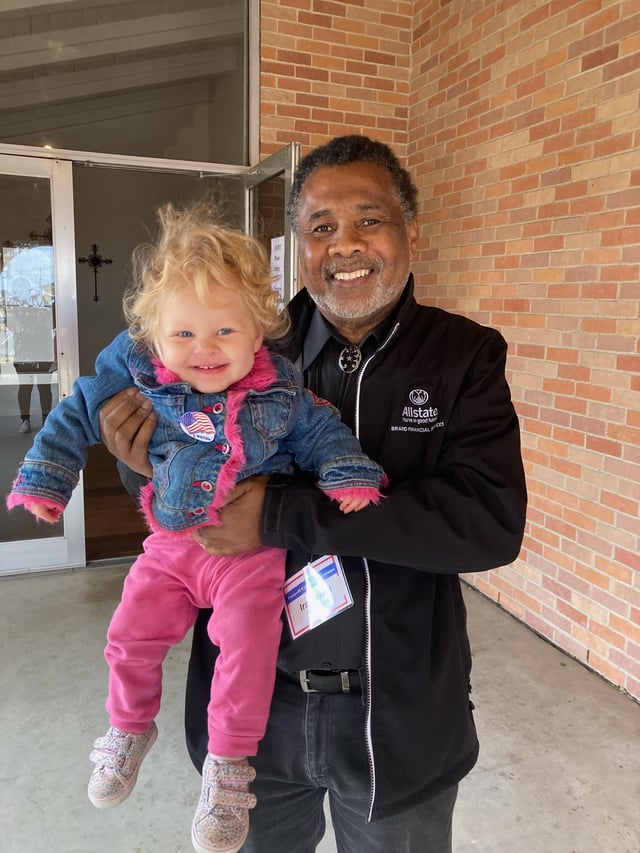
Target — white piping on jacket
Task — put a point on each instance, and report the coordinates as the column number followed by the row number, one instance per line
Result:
column 367, row 598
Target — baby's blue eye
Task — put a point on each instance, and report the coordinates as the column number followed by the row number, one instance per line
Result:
column 185, row 333
column 225, row 331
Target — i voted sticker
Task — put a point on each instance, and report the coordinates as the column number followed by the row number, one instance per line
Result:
column 198, row 426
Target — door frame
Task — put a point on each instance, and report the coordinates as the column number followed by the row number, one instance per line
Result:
column 67, row 550
column 283, row 162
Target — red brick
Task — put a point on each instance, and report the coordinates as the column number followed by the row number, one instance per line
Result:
column 600, row 57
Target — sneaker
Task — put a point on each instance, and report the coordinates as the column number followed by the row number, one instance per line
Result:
column 117, row 756
column 25, row 426
column 221, row 822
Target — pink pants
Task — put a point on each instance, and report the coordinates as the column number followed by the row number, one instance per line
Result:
column 163, row 592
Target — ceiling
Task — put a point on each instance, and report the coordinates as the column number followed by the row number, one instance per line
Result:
column 133, row 74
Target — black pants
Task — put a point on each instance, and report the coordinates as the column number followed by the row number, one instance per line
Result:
column 26, row 387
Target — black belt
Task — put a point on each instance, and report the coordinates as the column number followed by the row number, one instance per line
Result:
column 328, row 681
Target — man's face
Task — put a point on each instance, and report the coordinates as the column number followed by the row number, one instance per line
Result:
column 355, row 247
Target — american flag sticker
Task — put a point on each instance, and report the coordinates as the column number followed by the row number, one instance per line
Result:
column 198, row 426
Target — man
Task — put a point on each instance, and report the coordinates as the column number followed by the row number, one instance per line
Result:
column 372, row 706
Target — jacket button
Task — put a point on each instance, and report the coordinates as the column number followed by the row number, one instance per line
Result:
column 217, row 408
column 206, row 486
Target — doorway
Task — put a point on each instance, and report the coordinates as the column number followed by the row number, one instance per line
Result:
column 112, row 208
column 115, row 211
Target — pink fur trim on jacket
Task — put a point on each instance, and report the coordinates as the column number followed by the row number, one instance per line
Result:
column 29, row 501
column 373, row 495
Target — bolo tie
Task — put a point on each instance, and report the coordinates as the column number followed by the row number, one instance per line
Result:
column 349, row 359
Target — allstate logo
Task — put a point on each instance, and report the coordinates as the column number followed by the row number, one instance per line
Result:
column 418, row 397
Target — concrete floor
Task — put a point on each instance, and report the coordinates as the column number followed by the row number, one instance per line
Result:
column 559, row 769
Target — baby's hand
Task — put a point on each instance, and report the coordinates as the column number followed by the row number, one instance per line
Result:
column 353, row 504
column 46, row 513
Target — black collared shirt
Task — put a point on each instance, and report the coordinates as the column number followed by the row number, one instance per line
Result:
column 321, row 368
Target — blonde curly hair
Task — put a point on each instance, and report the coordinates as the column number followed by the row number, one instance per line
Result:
column 194, row 247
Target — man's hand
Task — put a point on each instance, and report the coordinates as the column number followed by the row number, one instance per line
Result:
column 127, row 422
column 240, row 521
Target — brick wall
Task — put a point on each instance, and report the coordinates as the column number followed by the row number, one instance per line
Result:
column 525, row 135
column 329, row 68
column 521, row 123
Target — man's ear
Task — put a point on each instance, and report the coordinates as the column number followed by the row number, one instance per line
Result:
column 413, row 232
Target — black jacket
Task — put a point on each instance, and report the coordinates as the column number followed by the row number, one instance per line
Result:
column 435, row 411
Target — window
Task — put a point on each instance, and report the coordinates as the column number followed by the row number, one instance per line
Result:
column 151, row 78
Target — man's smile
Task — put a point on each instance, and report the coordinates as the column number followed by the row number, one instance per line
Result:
column 351, row 276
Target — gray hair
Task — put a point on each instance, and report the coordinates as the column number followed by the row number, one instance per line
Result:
column 354, row 148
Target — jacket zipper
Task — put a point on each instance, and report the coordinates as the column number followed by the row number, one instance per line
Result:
column 367, row 600
column 361, row 374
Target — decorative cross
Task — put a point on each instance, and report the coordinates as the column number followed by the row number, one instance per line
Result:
column 46, row 236
column 95, row 261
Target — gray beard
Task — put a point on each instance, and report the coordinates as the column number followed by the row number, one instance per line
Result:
column 331, row 304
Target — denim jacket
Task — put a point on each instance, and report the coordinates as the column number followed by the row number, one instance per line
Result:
column 260, row 425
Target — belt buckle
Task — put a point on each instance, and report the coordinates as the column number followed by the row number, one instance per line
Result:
column 345, row 686
column 304, row 682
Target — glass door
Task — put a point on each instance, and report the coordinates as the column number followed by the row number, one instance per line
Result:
column 267, row 187
column 38, row 345
column 53, row 211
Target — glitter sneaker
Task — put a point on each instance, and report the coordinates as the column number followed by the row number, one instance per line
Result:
column 117, row 756
column 221, row 822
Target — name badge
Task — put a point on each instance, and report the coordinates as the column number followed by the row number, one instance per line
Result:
column 315, row 594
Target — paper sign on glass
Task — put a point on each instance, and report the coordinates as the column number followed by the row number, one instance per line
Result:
column 277, row 264
column 318, row 592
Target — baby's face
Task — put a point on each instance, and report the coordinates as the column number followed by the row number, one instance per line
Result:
column 209, row 346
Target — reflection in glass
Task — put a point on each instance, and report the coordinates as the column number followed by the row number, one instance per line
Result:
column 28, row 370
column 163, row 78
